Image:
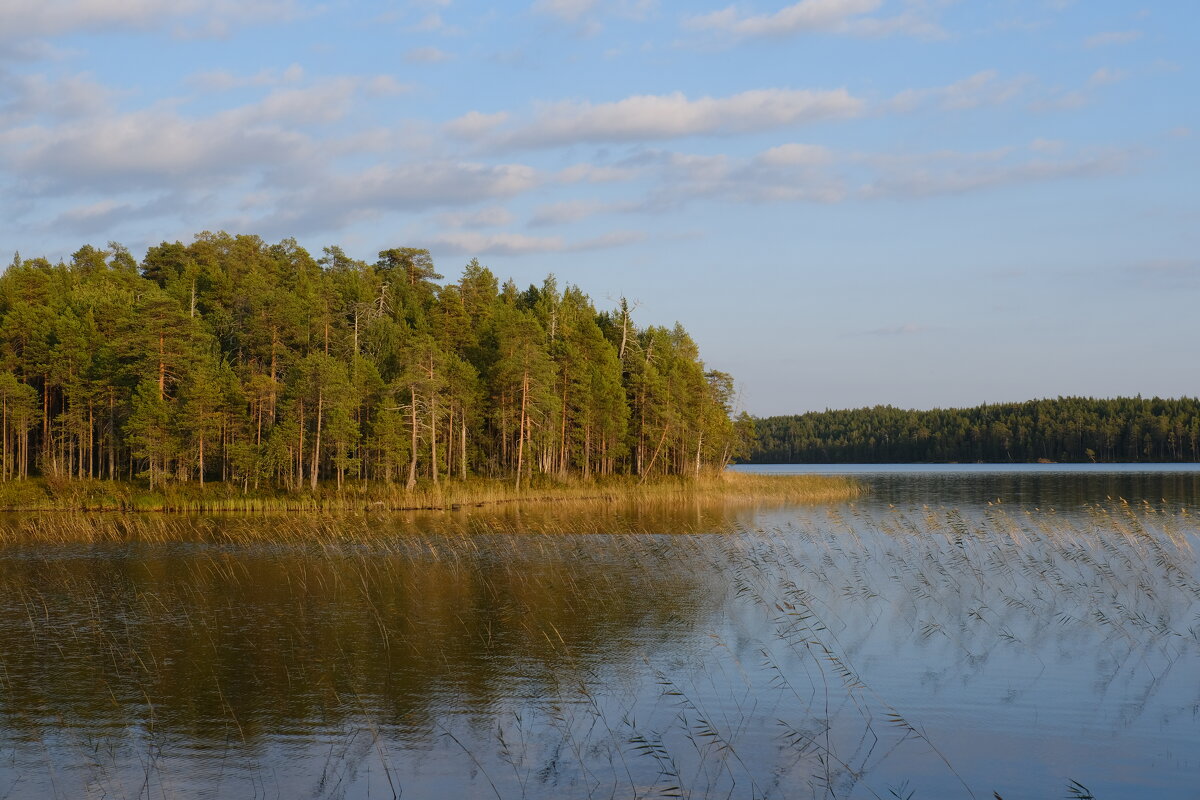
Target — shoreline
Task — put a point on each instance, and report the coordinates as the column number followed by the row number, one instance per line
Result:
column 90, row 496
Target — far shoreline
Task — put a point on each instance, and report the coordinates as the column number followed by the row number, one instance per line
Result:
column 950, row 467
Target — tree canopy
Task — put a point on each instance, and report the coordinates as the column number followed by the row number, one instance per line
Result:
column 1067, row 429
column 230, row 359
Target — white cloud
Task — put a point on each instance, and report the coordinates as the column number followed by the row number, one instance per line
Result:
column 107, row 215
column 102, row 149
column 385, row 86
column 427, row 55
column 1062, row 101
column 1111, row 38
column 146, row 149
column 981, row 89
column 1066, row 99
column 951, row 172
column 28, row 50
column 584, row 15
column 432, row 183
column 515, row 244
column 323, row 102
column 490, row 217
column 332, row 201
column 20, row 19
column 800, row 173
column 28, row 97
column 795, row 155
column 282, row 155
column 566, row 10
column 1047, row 146
column 476, row 124
column 784, row 174
column 918, row 21
column 807, row 15
column 93, row 217
column 573, row 211
column 651, row 117
column 507, row 244
column 591, row 173
column 432, row 23
column 223, row 80
column 1105, row 76
column 822, row 16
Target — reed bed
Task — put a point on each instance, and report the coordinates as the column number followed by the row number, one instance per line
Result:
column 535, row 651
column 88, row 495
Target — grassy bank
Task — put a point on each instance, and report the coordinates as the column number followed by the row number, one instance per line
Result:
column 84, row 495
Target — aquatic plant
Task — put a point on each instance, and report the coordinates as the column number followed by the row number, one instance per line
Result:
column 707, row 650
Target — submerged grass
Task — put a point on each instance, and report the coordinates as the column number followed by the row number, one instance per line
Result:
column 44, row 494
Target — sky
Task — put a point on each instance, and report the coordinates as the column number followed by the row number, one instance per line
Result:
column 922, row 203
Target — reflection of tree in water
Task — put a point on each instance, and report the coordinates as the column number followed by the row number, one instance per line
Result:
column 302, row 634
column 542, row 655
column 1044, row 489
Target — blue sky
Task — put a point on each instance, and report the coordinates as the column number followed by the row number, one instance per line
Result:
column 847, row 202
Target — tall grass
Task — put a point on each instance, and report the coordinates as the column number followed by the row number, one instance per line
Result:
column 346, row 655
column 90, row 495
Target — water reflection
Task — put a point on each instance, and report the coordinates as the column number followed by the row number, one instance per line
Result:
column 1039, row 485
column 917, row 637
column 264, row 637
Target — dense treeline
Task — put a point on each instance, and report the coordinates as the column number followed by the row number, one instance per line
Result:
column 1078, row 429
column 230, row 359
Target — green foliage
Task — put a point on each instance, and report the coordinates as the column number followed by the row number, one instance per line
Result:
column 259, row 367
column 1067, row 429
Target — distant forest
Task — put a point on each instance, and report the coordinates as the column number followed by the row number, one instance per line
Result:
column 229, row 359
column 1067, row 429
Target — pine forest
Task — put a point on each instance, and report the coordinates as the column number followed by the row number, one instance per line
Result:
column 266, row 368
column 1066, row 429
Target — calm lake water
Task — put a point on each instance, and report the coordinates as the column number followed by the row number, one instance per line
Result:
column 954, row 632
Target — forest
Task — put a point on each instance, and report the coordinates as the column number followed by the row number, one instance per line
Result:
column 263, row 367
column 1065, row 429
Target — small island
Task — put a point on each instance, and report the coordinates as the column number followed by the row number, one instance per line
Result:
column 229, row 374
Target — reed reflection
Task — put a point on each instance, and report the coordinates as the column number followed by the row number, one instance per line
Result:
column 247, row 627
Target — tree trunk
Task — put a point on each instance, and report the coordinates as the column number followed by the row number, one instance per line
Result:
column 450, row 442
column 562, row 451
column 5, row 429
column 300, row 448
column 433, row 464
column 411, row 483
column 462, row 447
column 162, row 366
column 587, row 451
column 274, row 342
column 316, row 456
column 112, row 437
column 521, row 431
column 654, row 457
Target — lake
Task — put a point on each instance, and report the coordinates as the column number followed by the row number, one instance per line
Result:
column 956, row 631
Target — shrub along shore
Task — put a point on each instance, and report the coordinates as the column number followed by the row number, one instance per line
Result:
column 38, row 494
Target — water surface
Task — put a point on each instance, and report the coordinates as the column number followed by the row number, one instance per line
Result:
column 951, row 633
